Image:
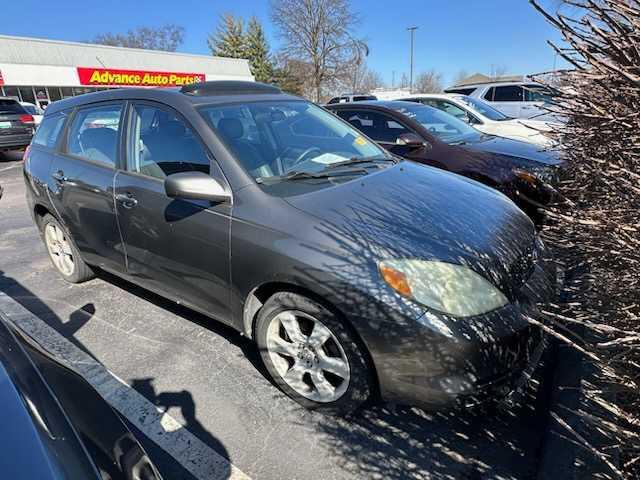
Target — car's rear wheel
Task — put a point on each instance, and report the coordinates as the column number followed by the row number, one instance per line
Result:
column 63, row 252
column 312, row 355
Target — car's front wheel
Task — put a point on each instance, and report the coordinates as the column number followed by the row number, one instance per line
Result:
column 63, row 252
column 312, row 355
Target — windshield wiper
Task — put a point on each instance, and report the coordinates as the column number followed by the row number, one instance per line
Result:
column 302, row 175
column 360, row 160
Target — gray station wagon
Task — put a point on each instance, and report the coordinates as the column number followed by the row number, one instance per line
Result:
column 358, row 274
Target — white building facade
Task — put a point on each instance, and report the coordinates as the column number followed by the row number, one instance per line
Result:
column 43, row 71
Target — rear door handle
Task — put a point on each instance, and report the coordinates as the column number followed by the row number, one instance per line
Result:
column 127, row 200
column 59, row 176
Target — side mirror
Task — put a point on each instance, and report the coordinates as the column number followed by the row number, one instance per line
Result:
column 195, row 186
column 411, row 140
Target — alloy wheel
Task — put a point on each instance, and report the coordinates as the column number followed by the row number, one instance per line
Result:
column 308, row 356
column 59, row 249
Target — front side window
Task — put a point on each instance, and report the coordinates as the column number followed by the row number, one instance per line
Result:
column 537, row 93
column 380, row 127
column 161, row 144
column 94, row 134
column 274, row 138
column 441, row 125
column 508, row 93
column 461, row 91
column 49, row 130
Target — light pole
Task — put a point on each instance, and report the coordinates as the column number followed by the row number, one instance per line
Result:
column 412, row 30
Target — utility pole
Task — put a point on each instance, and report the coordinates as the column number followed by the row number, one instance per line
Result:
column 412, row 30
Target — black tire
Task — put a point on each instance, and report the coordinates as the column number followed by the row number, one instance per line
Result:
column 81, row 271
column 360, row 384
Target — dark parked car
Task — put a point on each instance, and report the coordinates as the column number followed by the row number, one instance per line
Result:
column 356, row 273
column 16, row 125
column 55, row 425
column 522, row 171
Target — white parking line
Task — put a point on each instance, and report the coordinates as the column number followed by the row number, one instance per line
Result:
column 9, row 168
column 188, row 450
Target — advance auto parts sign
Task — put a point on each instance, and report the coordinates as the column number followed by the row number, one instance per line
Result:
column 136, row 78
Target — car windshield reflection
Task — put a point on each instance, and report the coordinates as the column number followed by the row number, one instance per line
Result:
column 274, row 139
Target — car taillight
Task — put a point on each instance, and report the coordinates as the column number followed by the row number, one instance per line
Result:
column 27, row 119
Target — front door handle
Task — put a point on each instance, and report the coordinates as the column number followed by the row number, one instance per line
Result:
column 59, row 176
column 127, row 200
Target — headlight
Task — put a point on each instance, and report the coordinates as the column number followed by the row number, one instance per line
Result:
column 534, row 175
column 452, row 289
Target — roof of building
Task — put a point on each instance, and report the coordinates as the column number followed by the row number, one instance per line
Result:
column 478, row 78
column 35, row 51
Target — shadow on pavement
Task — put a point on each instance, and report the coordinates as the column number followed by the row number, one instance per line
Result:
column 183, row 400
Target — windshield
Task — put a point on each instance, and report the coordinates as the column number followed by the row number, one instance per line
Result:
column 484, row 109
column 440, row 124
column 276, row 138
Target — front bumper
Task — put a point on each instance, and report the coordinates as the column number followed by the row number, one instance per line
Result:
column 452, row 361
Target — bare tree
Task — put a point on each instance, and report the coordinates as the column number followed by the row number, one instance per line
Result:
column 167, row 37
column 460, row 77
column 361, row 79
column 596, row 229
column 496, row 71
column 318, row 33
column 428, row 82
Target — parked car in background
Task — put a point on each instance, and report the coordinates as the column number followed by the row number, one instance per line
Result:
column 35, row 111
column 483, row 117
column 351, row 97
column 55, row 425
column 357, row 274
column 520, row 170
column 514, row 99
column 16, row 125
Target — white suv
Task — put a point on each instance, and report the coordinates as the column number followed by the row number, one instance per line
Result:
column 515, row 99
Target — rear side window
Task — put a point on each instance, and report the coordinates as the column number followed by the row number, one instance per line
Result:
column 10, row 107
column 94, row 134
column 49, row 130
column 508, row 93
column 461, row 91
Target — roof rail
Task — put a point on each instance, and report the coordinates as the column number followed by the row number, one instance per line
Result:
column 228, row 87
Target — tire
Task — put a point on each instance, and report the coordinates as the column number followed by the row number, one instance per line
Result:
column 319, row 364
column 63, row 253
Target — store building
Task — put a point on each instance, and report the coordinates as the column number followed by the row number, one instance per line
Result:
column 43, row 71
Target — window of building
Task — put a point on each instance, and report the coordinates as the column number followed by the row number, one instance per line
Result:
column 26, row 95
column 54, row 93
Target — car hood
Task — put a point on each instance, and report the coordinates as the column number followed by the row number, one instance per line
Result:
column 414, row 211
column 515, row 149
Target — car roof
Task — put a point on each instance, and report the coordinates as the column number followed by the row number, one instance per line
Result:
column 434, row 95
column 380, row 104
column 493, row 84
column 9, row 98
column 209, row 93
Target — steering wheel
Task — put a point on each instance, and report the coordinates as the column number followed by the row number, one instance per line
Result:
column 304, row 155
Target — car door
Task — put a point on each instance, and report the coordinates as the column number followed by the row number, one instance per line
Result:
column 179, row 248
column 506, row 98
column 81, row 182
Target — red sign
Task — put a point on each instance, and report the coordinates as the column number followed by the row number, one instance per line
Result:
column 136, row 78
column 1, row 79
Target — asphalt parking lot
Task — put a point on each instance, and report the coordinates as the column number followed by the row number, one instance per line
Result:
column 209, row 381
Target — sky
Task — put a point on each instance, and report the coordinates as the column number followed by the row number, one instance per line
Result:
column 452, row 35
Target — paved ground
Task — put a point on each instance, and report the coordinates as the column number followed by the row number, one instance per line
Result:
column 209, row 379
